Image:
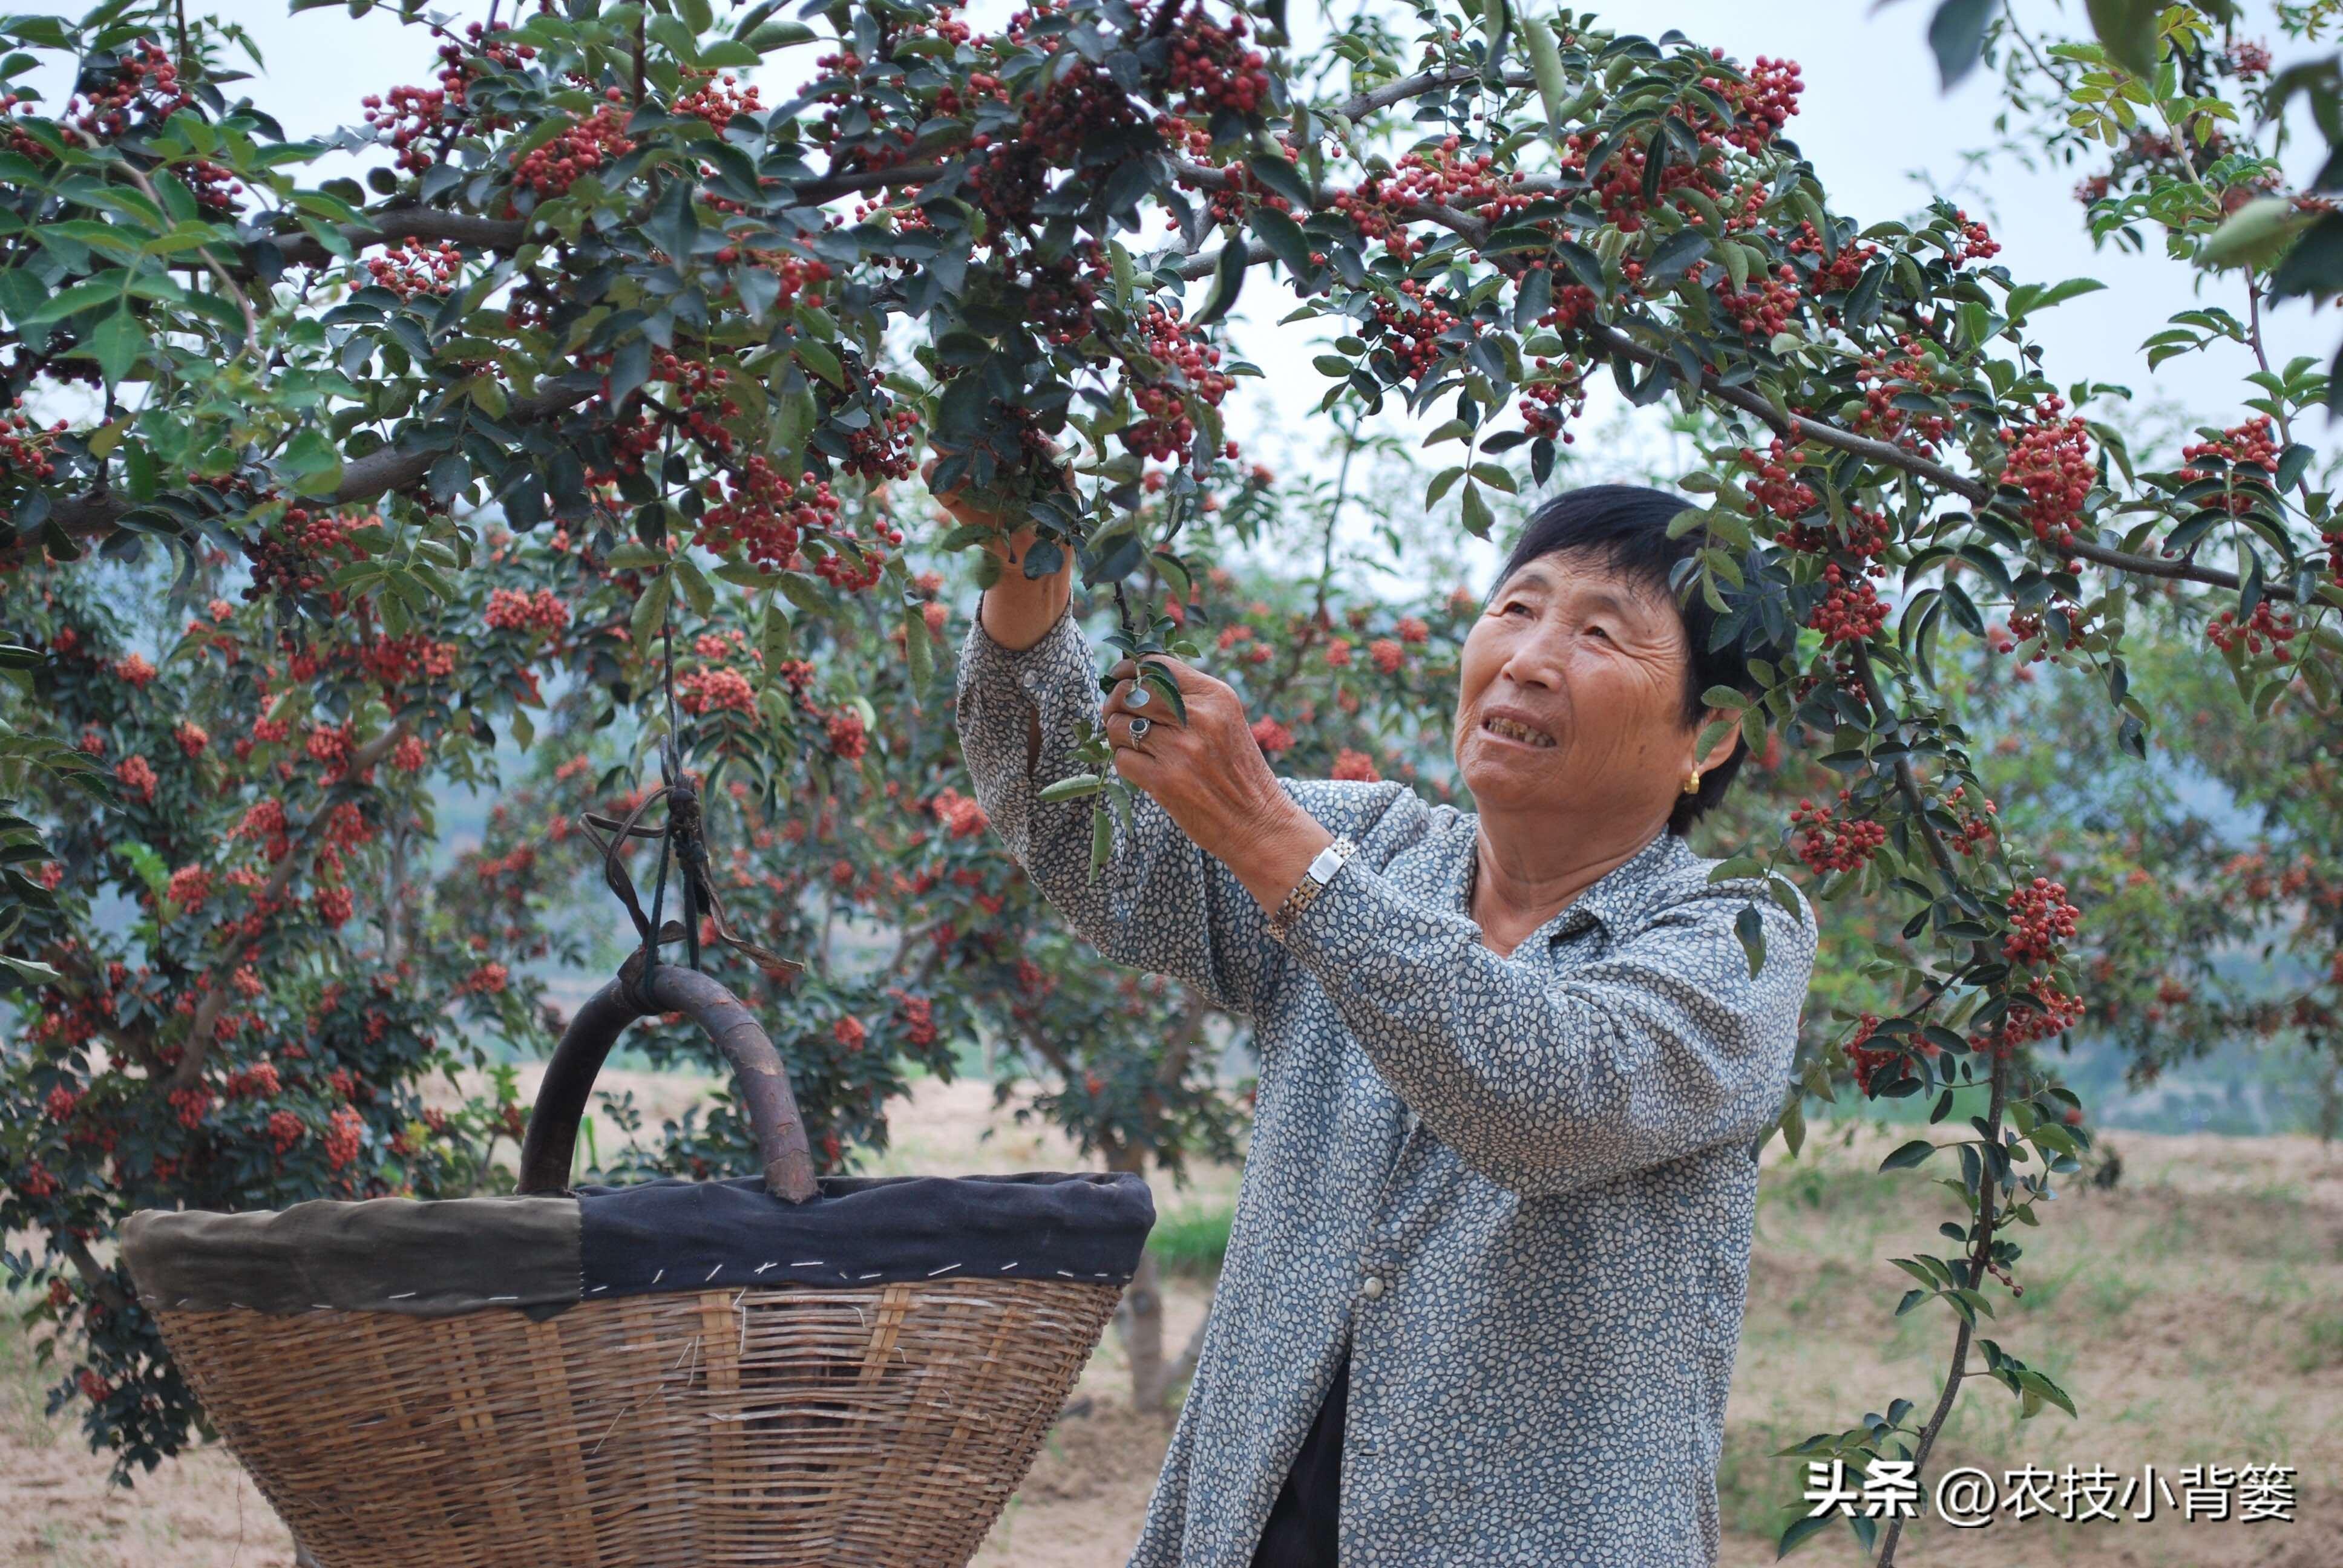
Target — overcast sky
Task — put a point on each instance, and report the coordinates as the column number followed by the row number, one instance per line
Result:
column 1873, row 121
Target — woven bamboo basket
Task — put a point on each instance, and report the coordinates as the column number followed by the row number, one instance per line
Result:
column 749, row 1418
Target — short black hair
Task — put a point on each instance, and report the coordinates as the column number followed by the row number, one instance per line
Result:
column 1625, row 526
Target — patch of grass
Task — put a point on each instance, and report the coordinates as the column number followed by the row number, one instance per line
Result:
column 2112, row 1291
column 2322, row 1341
column 1752, row 1485
column 1193, row 1241
column 24, row 1380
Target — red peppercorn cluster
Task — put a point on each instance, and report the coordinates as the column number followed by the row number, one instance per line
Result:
column 1976, row 827
column 1777, row 488
column 1411, row 328
column 1887, row 378
column 1763, row 103
column 191, row 1105
column 284, row 1129
column 1765, row 309
column 847, row 736
column 1081, row 107
column 410, row 269
column 593, row 142
column 1166, row 433
column 915, row 1015
column 333, row 905
column 959, row 813
column 2249, row 59
column 134, row 671
column 1212, row 69
column 2035, row 1014
column 1840, row 272
column 301, row 552
column 189, row 887
column 1848, row 611
column 2050, row 459
column 1977, row 243
column 1272, row 736
column 2250, row 446
column 510, row 609
column 2040, row 921
column 715, row 690
column 1356, row 766
column 394, row 661
column 345, row 1134
column 23, row 445
column 258, row 1082
column 138, row 777
column 1864, row 1059
column 764, row 513
column 146, row 84
column 716, row 99
column 2268, row 627
column 1542, row 399
column 1827, row 842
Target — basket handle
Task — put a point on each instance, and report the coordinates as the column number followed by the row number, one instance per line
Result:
column 550, row 1144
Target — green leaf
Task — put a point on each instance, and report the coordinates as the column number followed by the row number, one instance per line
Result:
column 1956, row 32
column 1228, row 280
column 1750, row 927
column 1281, row 177
column 310, row 464
column 650, row 613
column 1908, row 1154
column 119, row 342
column 819, row 358
column 1072, row 788
column 2128, row 31
column 918, row 650
column 1545, row 65
column 696, row 591
column 1477, row 520
column 2257, row 234
column 1101, row 840
column 806, row 593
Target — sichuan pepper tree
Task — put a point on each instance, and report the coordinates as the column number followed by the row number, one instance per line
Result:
column 614, row 293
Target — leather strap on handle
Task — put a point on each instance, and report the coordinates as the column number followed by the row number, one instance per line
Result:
column 550, row 1144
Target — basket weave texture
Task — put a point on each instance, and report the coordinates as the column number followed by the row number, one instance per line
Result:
column 763, row 1428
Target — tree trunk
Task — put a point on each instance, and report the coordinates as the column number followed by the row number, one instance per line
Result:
column 1139, row 1319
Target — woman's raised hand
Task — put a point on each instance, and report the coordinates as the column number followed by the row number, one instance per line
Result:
column 1204, row 769
column 1017, row 611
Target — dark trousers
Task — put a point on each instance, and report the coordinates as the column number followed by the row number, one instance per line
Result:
column 1301, row 1531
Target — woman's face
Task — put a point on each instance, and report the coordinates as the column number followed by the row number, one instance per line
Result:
column 1570, row 695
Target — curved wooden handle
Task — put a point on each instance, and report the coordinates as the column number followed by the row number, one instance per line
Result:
column 550, row 1144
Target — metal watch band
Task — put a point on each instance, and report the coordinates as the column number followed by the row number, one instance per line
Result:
column 1321, row 872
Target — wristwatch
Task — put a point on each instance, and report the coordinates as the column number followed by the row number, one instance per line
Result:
column 1322, row 871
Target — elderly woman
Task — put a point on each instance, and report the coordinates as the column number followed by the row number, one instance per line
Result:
column 1486, row 1277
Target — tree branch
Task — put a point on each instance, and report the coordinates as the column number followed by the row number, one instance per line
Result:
column 88, row 516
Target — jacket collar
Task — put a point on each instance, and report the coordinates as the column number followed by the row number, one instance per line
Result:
column 1612, row 901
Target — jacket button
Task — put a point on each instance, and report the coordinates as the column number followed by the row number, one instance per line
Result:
column 1372, row 1287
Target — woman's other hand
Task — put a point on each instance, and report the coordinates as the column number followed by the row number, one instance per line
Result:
column 1207, row 773
column 1016, row 610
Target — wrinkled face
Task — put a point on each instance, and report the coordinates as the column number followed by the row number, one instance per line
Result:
column 1570, row 695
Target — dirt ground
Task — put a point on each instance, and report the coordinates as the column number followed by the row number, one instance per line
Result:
column 2194, row 1310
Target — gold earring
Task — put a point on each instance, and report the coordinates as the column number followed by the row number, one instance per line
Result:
column 1692, row 782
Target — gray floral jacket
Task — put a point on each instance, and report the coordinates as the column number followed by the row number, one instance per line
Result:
column 1520, row 1188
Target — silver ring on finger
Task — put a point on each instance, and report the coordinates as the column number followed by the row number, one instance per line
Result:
column 1140, row 727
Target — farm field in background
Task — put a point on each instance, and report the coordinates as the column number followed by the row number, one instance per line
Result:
column 2195, row 1309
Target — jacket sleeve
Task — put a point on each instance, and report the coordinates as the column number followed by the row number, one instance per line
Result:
column 1159, row 903
column 1547, row 1080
